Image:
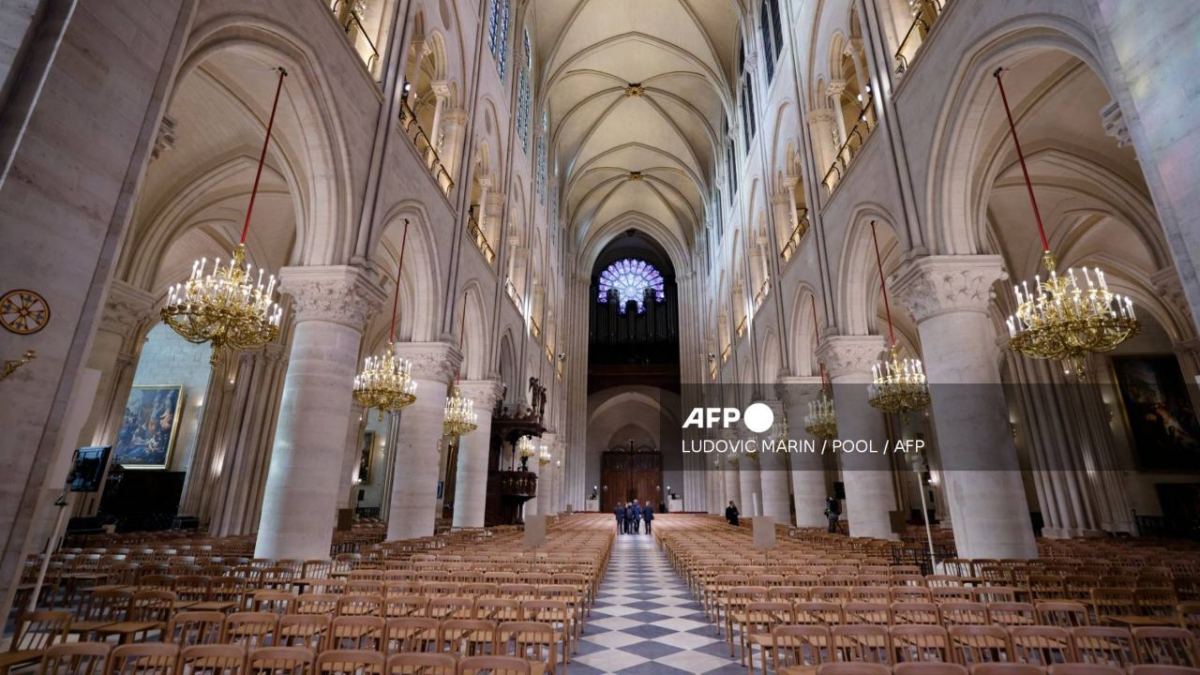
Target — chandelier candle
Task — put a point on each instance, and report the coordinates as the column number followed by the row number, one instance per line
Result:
column 1060, row 319
column 459, row 416
column 228, row 306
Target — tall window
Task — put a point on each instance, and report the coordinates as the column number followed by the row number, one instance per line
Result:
column 772, row 34
column 523, row 94
column 498, row 34
column 541, row 158
column 630, row 278
column 748, row 121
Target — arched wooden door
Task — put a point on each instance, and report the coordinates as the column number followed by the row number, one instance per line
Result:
column 628, row 474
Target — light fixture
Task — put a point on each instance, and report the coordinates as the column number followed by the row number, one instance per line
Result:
column 1059, row 319
column 459, row 417
column 897, row 384
column 525, row 451
column 385, row 382
column 229, row 306
column 544, row 456
column 821, row 420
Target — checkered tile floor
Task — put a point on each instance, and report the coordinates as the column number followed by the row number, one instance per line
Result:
column 646, row 623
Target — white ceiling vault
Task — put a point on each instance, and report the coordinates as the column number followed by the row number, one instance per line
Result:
column 637, row 91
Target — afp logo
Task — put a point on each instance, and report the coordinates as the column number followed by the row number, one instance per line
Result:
column 757, row 418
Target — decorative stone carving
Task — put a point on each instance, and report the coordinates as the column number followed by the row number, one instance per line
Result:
column 484, row 393
column 935, row 285
column 125, row 308
column 796, row 392
column 336, row 293
column 437, row 361
column 165, row 138
column 1114, row 123
column 850, row 354
column 834, row 88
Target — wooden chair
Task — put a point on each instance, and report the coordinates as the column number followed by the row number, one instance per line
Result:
column 467, row 637
column 1165, row 646
column 102, row 607
column 928, row 668
column 194, row 628
column 253, row 629
column 915, row 612
column 963, row 613
column 760, row 619
column 971, row 645
column 533, row 641
column 350, row 662
column 411, row 663
column 280, row 661
column 919, row 643
column 356, row 604
column 356, row 633
column 557, row 613
column 405, row 605
column 411, row 634
column 1062, row 613
column 861, row 643
column 144, row 659
column 35, row 632
column 451, row 607
column 1162, row 670
column 212, row 660
column 494, row 665
column 1006, row 669
column 1104, row 645
column 853, row 669
column 1041, row 645
column 799, row 649
column 1112, row 602
column 1012, row 613
column 310, row 631
column 75, row 658
column 273, row 600
column 1085, row 669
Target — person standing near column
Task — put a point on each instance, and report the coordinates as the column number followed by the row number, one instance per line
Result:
column 648, row 516
column 619, row 512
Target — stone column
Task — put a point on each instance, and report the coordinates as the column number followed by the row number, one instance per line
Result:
column 330, row 306
column 808, row 469
column 750, row 485
column 493, row 219
column 470, row 482
column 546, row 475
column 949, row 297
column 454, row 124
column 412, row 511
column 773, row 468
column 870, row 491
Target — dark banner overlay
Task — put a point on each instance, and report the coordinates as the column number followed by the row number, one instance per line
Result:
column 1086, row 427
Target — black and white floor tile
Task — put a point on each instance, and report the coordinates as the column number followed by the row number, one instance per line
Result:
column 645, row 622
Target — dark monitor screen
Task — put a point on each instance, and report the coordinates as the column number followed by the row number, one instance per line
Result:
column 87, row 470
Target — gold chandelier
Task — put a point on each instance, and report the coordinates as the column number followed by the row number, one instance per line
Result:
column 460, row 417
column 544, row 456
column 385, row 381
column 821, row 420
column 229, row 306
column 1059, row 319
column 898, row 385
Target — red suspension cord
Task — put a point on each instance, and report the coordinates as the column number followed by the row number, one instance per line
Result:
column 887, row 307
column 1037, row 214
column 399, row 269
column 262, row 157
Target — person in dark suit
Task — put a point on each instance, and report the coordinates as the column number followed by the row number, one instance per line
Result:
column 832, row 511
column 647, row 515
column 637, row 517
column 619, row 512
column 731, row 513
column 628, row 518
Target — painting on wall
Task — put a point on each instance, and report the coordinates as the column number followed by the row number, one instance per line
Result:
column 149, row 427
column 1158, row 409
column 364, row 456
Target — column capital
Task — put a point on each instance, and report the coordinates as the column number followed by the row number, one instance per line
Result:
column 484, row 393
column 441, row 88
column 850, row 354
column 798, row 391
column 834, row 88
column 431, row 360
column 341, row 294
column 933, row 285
column 125, row 308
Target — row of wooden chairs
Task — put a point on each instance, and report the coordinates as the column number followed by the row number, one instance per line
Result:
column 985, row 669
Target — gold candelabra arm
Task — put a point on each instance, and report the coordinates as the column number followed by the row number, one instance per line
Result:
column 11, row 365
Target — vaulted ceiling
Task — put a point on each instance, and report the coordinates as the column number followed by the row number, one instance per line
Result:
column 637, row 91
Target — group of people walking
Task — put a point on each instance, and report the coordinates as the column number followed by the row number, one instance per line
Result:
column 631, row 515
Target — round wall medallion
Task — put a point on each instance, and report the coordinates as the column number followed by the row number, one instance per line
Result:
column 24, row 312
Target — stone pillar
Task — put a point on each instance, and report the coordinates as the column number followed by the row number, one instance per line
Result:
column 949, row 297
column 352, row 454
column 412, row 511
column 470, row 482
column 330, row 306
column 492, row 209
column 870, row 491
column 773, row 467
column 454, row 124
column 749, row 485
column 732, row 485
column 546, row 475
column 808, row 469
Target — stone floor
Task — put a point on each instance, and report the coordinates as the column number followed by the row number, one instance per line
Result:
column 646, row 622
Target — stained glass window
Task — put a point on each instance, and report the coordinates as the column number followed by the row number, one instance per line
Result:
column 498, row 34
column 630, row 278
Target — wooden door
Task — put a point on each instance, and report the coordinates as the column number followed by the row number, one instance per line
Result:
column 630, row 475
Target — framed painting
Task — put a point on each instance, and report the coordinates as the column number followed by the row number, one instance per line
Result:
column 1158, row 410
column 365, row 453
column 149, row 427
